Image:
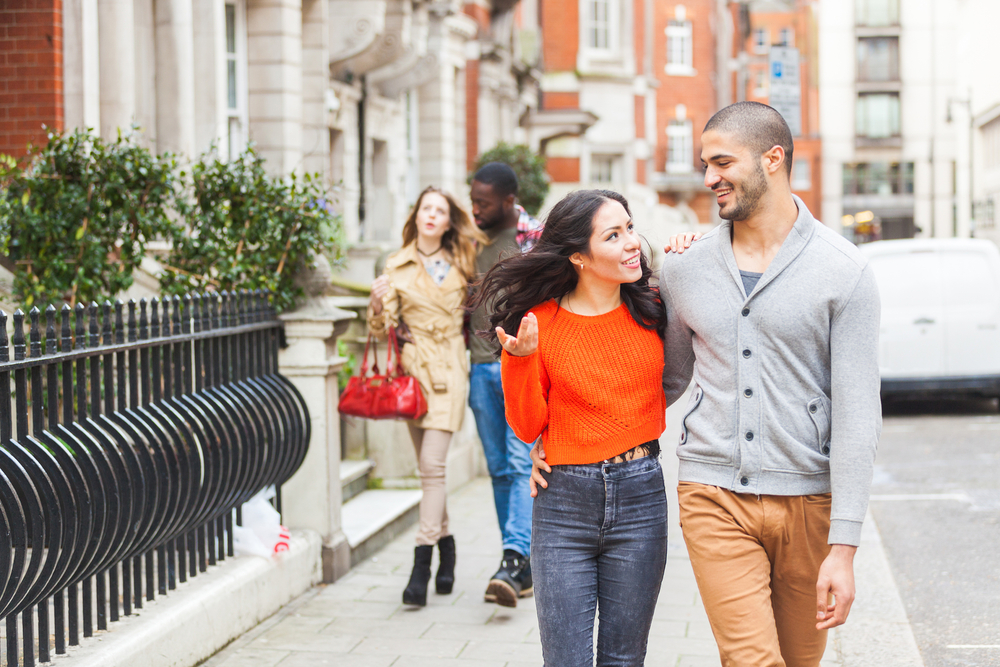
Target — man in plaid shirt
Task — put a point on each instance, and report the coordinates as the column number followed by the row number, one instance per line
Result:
column 511, row 230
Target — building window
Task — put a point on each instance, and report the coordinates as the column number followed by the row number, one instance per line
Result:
column 878, row 178
column 236, row 77
column 801, row 175
column 680, row 147
column 680, row 51
column 601, row 24
column 877, row 115
column 876, row 12
column 605, row 168
column 786, row 37
column 761, row 40
column 878, row 59
column 760, row 82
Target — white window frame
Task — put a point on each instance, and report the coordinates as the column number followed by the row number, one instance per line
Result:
column 605, row 168
column 611, row 28
column 801, row 175
column 680, row 147
column 761, row 40
column 680, row 48
column 237, row 116
column 786, row 37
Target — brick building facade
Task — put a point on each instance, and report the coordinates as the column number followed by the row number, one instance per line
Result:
column 31, row 72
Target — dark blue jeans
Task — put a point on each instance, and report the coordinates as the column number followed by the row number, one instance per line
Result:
column 600, row 543
column 507, row 458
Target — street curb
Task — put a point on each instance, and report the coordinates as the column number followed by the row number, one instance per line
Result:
column 877, row 631
column 208, row 612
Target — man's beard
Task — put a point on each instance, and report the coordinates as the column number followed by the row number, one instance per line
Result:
column 750, row 192
column 490, row 223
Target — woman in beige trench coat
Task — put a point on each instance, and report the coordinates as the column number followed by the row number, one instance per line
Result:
column 424, row 286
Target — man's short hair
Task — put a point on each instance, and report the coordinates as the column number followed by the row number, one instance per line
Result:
column 499, row 176
column 757, row 126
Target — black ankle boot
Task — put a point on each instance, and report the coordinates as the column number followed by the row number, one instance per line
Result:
column 445, row 578
column 416, row 589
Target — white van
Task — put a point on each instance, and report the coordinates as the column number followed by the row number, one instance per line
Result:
column 940, row 315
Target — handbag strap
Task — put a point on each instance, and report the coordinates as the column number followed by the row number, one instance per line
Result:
column 393, row 346
column 371, row 342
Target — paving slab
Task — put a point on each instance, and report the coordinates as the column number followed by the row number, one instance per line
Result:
column 360, row 619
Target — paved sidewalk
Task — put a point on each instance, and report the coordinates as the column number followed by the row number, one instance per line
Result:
column 360, row 620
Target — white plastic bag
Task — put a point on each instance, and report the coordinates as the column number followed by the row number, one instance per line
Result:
column 261, row 533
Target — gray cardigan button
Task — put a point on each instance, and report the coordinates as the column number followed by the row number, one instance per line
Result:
column 749, row 435
column 744, row 481
column 746, row 311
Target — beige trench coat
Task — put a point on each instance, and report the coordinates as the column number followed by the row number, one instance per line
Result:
column 434, row 315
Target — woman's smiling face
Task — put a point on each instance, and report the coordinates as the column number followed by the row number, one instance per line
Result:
column 614, row 246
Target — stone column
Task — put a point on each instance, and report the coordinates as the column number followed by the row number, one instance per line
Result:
column 116, row 44
column 315, row 84
column 274, row 49
column 312, row 497
column 175, row 76
column 81, row 64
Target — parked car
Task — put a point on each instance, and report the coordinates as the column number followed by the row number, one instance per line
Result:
column 940, row 327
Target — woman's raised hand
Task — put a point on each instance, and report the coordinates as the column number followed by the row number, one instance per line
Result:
column 526, row 341
column 681, row 242
column 379, row 289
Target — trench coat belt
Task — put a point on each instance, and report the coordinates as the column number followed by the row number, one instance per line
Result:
column 437, row 334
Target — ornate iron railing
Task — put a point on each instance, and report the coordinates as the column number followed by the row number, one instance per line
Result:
column 128, row 435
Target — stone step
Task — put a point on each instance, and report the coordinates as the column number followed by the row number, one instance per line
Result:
column 354, row 478
column 375, row 517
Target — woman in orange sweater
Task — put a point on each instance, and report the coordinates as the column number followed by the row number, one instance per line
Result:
column 584, row 372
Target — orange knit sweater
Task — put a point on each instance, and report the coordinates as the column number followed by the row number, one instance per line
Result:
column 592, row 390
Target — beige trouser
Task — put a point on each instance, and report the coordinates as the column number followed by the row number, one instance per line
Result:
column 432, row 459
column 756, row 560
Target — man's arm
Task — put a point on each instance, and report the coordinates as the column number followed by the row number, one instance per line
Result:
column 678, row 353
column 855, row 428
column 857, row 408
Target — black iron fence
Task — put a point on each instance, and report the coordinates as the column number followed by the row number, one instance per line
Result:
column 128, row 435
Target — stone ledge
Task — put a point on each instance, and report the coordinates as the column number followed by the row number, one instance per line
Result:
column 206, row 613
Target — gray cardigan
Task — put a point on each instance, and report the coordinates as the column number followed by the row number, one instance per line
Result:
column 786, row 396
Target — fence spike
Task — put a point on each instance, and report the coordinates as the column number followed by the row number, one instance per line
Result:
column 18, row 334
column 35, row 332
column 176, row 312
column 132, row 335
column 81, row 331
column 196, row 314
column 143, row 322
column 106, row 323
column 94, row 328
column 155, row 317
column 66, row 342
column 187, row 314
column 214, row 307
column 4, row 343
column 50, row 329
column 119, row 321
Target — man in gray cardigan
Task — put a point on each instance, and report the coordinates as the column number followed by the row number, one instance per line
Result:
column 776, row 317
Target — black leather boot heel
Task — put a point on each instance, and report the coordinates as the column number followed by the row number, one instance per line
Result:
column 445, row 579
column 416, row 589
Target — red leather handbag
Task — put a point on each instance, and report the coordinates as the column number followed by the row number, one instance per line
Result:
column 394, row 395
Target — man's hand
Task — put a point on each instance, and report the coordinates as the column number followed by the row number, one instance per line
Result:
column 836, row 578
column 527, row 337
column 681, row 242
column 379, row 289
column 538, row 463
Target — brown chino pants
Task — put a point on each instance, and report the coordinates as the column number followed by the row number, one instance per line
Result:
column 756, row 560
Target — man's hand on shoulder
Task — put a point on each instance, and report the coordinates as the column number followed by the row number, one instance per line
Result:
column 836, row 578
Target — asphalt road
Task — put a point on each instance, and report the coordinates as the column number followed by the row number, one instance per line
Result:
column 936, row 500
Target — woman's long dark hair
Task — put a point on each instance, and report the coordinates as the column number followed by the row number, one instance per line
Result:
column 518, row 283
